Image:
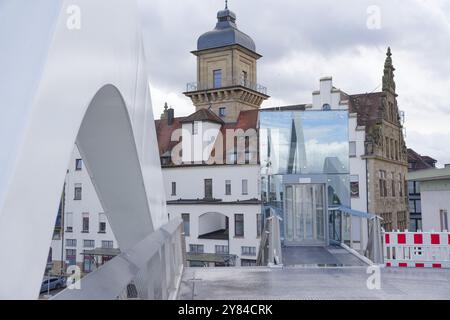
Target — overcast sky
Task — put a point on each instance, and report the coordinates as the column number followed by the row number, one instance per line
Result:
column 302, row 41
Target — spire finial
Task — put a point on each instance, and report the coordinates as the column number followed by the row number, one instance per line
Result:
column 226, row 4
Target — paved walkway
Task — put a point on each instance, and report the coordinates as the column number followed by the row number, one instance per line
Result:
column 319, row 256
column 341, row 283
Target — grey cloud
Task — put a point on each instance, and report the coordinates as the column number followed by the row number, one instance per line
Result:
column 304, row 40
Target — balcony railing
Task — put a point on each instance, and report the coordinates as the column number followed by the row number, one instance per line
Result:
column 194, row 86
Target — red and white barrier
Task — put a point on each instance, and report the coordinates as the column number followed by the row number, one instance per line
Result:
column 416, row 249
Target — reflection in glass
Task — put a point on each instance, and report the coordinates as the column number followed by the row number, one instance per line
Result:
column 304, row 144
column 307, row 142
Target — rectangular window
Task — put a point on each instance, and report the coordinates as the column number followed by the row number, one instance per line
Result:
column 71, row 257
column 352, row 149
column 411, row 187
column 396, row 150
column 354, row 186
column 259, row 224
column 248, row 251
column 208, row 189
column 78, row 191
column 244, row 78
column 101, row 223
column 444, row 220
column 222, row 112
column 238, row 225
column 69, row 222
column 71, row 242
column 245, row 187
column 393, row 184
column 412, row 206
column 417, row 188
column 386, row 223
column 400, row 184
column 186, row 224
column 89, row 243
column 383, row 185
column 222, row 249
column 174, row 188
column 85, row 223
column 418, row 206
column 217, row 75
column 78, row 164
column 387, row 148
column 196, row 248
column 392, row 149
column 401, row 221
column 248, row 263
column 228, row 187
column 107, row 244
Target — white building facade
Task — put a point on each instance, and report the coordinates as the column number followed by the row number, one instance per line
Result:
column 435, row 197
column 331, row 98
column 222, row 230
column 84, row 227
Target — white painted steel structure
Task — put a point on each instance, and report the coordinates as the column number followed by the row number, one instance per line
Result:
column 65, row 81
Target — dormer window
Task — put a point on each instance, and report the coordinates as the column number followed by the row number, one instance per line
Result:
column 217, row 78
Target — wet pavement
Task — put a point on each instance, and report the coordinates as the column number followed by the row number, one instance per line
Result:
column 312, row 283
column 319, row 256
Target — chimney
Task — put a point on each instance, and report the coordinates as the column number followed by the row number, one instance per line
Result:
column 164, row 114
column 170, row 116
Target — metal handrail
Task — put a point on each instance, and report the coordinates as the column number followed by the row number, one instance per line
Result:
column 270, row 253
column 140, row 267
column 195, row 86
column 341, row 222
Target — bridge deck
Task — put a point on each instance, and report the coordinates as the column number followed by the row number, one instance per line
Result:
column 341, row 283
column 319, row 256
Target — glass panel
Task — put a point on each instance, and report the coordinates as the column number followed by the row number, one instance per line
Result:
column 289, row 214
column 319, row 204
column 217, row 78
column 307, row 142
column 308, row 207
column 299, row 213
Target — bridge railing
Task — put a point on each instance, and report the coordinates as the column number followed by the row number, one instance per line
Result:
column 357, row 230
column 270, row 253
column 417, row 249
column 151, row 270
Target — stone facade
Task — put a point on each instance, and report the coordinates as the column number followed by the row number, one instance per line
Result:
column 226, row 77
column 386, row 152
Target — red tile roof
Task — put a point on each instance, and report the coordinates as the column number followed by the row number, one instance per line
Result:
column 203, row 115
column 246, row 120
column 368, row 107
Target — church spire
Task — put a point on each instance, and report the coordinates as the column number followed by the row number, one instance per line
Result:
column 388, row 77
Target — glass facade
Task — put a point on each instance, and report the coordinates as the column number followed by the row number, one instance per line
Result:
column 304, row 163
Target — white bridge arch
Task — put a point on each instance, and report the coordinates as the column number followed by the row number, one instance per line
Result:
column 61, row 84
